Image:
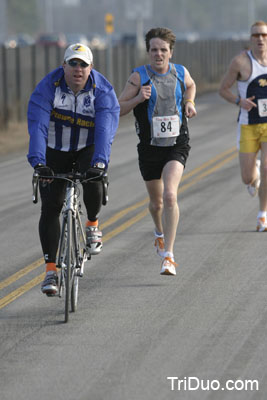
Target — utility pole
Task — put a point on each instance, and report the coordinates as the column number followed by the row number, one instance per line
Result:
column 3, row 20
column 109, row 28
column 139, row 10
column 49, row 22
column 251, row 13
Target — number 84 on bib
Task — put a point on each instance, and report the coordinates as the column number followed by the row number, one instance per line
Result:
column 167, row 126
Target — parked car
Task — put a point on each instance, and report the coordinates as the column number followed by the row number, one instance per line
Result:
column 187, row 36
column 52, row 39
column 76, row 38
column 97, row 41
column 19, row 40
column 129, row 38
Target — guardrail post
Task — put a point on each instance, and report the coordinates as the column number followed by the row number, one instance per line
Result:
column 5, row 91
column 18, row 84
column 33, row 65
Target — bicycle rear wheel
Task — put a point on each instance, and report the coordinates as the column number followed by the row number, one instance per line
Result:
column 68, row 265
column 74, row 293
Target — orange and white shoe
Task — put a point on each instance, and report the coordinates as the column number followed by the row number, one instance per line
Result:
column 159, row 244
column 261, row 224
column 168, row 267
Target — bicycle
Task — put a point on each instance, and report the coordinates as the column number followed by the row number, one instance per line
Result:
column 72, row 252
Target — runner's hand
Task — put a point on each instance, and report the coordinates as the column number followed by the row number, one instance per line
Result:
column 144, row 93
column 190, row 110
column 248, row 104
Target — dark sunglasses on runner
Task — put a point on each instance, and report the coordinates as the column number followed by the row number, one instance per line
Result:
column 74, row 63
column 257, row 35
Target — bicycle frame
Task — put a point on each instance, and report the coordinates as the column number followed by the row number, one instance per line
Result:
column 72, row 252
column 72, row 248
column 73, row 205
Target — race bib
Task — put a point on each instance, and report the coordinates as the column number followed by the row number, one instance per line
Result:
column 262, row 106
column 166, row 127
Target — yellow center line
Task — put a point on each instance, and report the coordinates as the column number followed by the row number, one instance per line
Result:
column 206, row 173
column 125, row 225
column 122, row 213
column 208, row 163
column 21, row 273
column 186, row 176
column 21, row 290
column 34, row 282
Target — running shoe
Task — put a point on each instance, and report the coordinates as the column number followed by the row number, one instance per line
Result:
column 168, row 267
column 261, row 225
column 253, row 189
column 159, row 244
column 50, row 284
column 93, row 240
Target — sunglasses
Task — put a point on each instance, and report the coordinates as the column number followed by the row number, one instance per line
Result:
column 257, row 35
column 74, row 63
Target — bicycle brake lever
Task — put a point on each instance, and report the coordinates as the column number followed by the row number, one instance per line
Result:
column 35, row 179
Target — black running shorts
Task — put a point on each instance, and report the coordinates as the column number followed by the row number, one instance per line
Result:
column 152, row 159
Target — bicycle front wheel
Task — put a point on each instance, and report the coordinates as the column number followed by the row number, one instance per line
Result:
column 74, row 293
column 68, row 265
column 79, row 260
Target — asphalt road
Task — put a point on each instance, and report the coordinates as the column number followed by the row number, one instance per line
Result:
column 138, row 335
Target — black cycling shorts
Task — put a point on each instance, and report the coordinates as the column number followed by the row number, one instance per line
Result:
column 152, row 159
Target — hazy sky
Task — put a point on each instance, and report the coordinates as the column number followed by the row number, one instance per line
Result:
column 206, row 17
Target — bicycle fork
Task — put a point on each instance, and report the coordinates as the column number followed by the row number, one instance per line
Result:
column 78, row 234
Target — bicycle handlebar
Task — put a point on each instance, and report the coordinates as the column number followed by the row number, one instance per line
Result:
column 88, row 176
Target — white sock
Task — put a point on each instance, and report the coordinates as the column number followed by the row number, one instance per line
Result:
column 169, row 254
column 261, row 214
column 157, row 234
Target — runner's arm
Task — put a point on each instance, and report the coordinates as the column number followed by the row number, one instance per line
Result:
column 232, row 75
column 229, row 79
column 39, row 109
column 107, row 111
column 190, row 94
column 133, row 94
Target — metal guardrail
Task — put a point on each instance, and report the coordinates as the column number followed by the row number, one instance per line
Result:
column 22, row 68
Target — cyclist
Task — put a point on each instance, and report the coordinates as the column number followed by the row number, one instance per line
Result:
column 73, row 115
column 249, row 70
column 161, row 95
